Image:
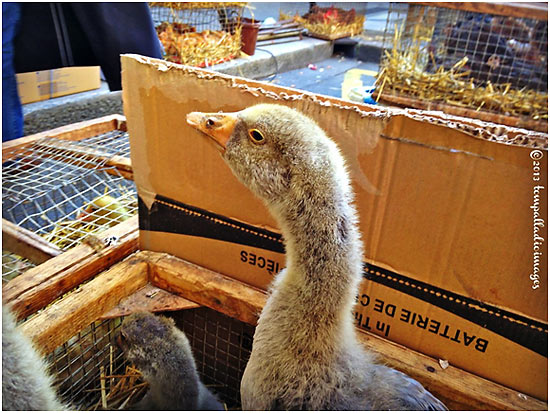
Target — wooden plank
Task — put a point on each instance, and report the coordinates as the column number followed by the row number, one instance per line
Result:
column 149, row 298
column 63, row 319
column 123, row 165
column 74, row 132
column 515, row 121
column 530, row 10
column 332, row 36
column 86, row 156
column 205, row 287
column 271, row 36
column 39, row 286
column 457, row 387
column 27, row 244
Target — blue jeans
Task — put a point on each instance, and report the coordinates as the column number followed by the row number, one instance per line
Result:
column 12, row 112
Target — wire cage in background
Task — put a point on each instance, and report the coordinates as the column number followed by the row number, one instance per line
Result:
column 65, row 191
column 327, row 21
column 474, row 64
column 90, row 363
column 199, row 34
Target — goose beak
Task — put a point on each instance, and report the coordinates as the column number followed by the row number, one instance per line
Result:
column 219, row 126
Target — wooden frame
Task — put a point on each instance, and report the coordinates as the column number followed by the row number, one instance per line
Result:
column 60, row 320
column 77, row 132
column 515, row 121
column 27, row 244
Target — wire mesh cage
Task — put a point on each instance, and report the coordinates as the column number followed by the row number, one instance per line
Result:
column 65, row 191
column 91, row 373
column 476, row 61
column 329, row 21
column 13, row 265
column 199, row 34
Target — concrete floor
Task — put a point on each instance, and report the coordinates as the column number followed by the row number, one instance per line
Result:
column 328, row 77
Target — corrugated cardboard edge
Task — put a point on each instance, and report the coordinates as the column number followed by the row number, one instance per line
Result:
column 472, row 127
column 395, row 124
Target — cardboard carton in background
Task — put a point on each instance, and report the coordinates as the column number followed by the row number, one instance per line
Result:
column 47, row 84
column 446, row 213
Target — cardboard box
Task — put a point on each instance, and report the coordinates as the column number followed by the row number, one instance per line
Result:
column 47, row 84
column 453, row 213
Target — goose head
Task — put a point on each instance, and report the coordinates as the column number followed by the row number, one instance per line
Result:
column 142, row 336
column 277, row 152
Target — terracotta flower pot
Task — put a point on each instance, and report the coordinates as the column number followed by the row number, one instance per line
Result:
column 249, row 35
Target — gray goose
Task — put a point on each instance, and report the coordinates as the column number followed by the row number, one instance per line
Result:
column 305, row 353
column 26, row 383
column 162, row 353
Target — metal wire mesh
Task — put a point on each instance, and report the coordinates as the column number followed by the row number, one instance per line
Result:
column 13, row 265
column 76, row 365
column 64, row 190
column 198, row 34
column 221, row 347
column 497, row 63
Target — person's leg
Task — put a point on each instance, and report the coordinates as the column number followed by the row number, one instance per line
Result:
column 12, row 112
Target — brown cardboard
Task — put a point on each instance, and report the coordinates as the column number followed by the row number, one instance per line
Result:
column 446, row 212
column 47, row 84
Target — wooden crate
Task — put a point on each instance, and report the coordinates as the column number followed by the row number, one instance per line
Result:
column 58, row 145
column 61, row 320
column 65, row 294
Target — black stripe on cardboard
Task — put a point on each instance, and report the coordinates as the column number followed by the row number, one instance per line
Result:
column 521, row 330
column 167, row 215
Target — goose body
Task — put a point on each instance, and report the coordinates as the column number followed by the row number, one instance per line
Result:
column 305, row 353
column 162, row 353
column 26, row 383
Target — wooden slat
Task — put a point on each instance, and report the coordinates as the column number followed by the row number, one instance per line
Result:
column 152, row 299
column 530, row 10
column 39, row 286
column 73, row 132
column 458, row 388
column 123, row 165
column 63, row 319
column 86, row 156
column 515, row 121
column 27, row 244
column 205, row 287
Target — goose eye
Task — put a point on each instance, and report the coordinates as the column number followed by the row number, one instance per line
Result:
column 256, row 136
